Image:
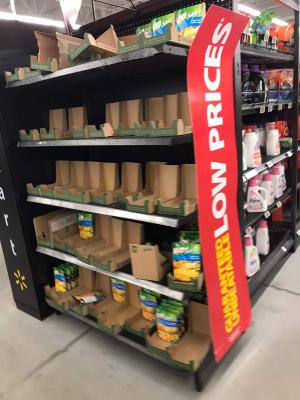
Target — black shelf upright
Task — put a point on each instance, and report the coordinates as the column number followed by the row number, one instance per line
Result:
column 141, row 74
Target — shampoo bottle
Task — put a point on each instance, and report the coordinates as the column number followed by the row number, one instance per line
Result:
column 257, row 198
column 263, row 238
column 267, row 184
column 253, row 154
column 251, row 257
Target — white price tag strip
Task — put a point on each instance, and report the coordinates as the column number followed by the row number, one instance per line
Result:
column 279, row 204
column 280, row 107
column 250, row 174
column 284, row 249
column 262, row 109
column 290, row 105
column 267, row 214
column 298, row 232
column 289, row 153
column 270, row 108
column 270, row 164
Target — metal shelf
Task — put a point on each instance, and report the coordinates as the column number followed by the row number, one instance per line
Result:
column 274, row 260
column 114, row 141
column 254, row 218
column 255, row 52
column 269, row 162
column 162, row 57
column 249, row 109
column 155, row 287
column 172, row 222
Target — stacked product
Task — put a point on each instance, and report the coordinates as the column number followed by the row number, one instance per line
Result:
column 65, row 277
column 170, row 320
column 149, row 303
column 118, row 290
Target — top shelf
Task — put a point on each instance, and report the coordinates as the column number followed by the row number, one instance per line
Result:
column 162, row 57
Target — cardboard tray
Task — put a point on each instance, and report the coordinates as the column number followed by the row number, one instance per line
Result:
column 194, row 286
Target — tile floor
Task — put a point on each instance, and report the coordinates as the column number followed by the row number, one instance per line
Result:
column 62, row 358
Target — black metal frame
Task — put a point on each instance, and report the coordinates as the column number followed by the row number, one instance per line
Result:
column 32, row 99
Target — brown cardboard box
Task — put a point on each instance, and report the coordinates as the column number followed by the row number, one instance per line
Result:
column 185, row 202
column 185, row 112
column 33, row 135
column 113, row 316
column 104, row 182
column 48, row 56
column 155, row 110
column 42, row 229
column 77, row 122
column 62, row 180
column 131, row 180
column 118, row 236
column 113, row 115
column 86, row 284
column 62, row 227
column 145, row 201
column 193, row 346
column 58, row 123
column 148, row 263
column 65, row 44
column 78, row 190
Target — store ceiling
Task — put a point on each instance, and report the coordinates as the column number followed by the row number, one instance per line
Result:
column 50, row 8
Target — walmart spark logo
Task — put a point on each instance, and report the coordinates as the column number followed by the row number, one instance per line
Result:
column 20, row 280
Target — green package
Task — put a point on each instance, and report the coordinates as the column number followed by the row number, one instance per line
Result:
column 189, row 19
column 159, row 24
column 145, row 29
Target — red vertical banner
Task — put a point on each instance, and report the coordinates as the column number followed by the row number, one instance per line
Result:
column 211, row 94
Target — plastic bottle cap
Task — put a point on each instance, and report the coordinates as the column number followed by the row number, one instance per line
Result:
column 248, row 241
column 255, row 68
column 267, row 177
column 263, row 224
column 276, row 171
column 253, row 182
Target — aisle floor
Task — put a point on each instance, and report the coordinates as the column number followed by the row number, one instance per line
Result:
column 62, row 358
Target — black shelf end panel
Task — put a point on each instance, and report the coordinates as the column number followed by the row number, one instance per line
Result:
column 169, row 221
column 170, row 141
column 148, row 59
column 254, row 218
column 271, row 263
column 252, row 53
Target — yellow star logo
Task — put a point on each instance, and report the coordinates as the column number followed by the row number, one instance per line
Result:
column 20, row 280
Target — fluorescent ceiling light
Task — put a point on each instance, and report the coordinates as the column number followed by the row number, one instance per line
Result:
column 255, row 13
column 31, row 20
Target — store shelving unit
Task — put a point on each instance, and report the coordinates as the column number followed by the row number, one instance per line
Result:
column 143, row 73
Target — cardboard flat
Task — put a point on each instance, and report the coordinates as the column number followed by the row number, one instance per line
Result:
column 128, row 43
column 171, row 109
column 32, row 135
column 77, row 122
column 194, row 286
column 58, row 122
column 139, row 326
column 113, row 115
column 185, row 111
column 62, row 179
column 48, row 55
column 42, row 229
column 62, row 227
column 155, row 110
column 146, row 262
column 78, row 190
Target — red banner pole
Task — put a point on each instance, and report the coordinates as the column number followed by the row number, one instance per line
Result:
column 211, row 88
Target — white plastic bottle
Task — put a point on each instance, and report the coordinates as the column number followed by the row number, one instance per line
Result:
column 257, row 197
column 277, row 182
column 244, row 152
column 263, row 238
column 273, row 142
column 267, row 184
column 261, row 134
column 251, row 257
column 283, row 177
column 253, row 154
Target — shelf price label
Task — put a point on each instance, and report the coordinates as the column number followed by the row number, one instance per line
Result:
column 262, row 110
column 267, row 214
column 210, row 83
column 270, row 108
column 279, row 204
column 280, row 106
column 284, row 249
column 270, row 164
column 290, row 105
column 289, row 153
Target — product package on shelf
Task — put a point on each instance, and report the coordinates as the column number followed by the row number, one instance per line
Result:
column 175, row 198
column 192, row 347
column 73, row 299
column 187, row 269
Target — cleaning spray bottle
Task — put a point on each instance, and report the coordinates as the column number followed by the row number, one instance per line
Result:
column 257, row 198
column 263, row 238
column 251, row 257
